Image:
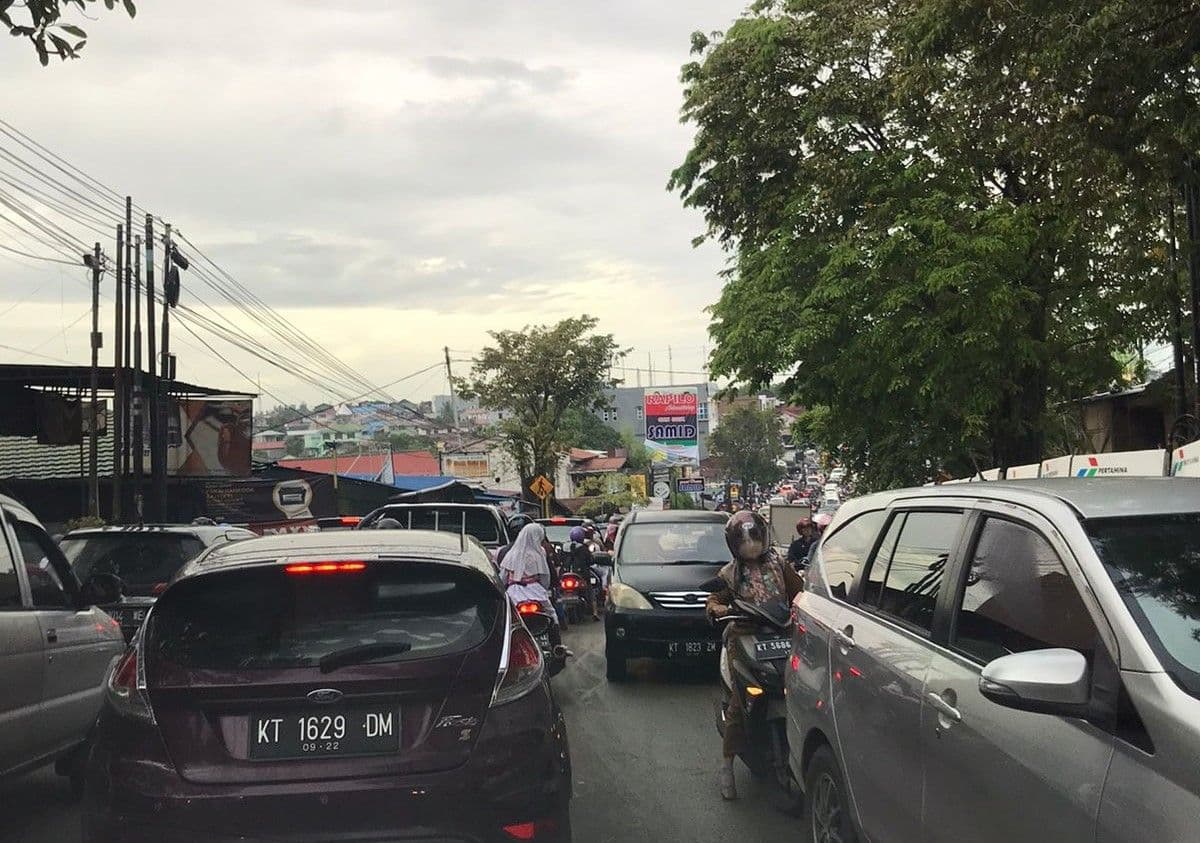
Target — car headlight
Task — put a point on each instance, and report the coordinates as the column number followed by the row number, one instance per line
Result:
column 625, row 597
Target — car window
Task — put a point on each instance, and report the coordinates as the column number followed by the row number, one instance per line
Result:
column 479, row 523
column 873, row 590
column 10, row 585
column 45, row 584
column 663, row 543
column 1018, row 596
column 143, row 561
column 842, row 554
column 916, row 567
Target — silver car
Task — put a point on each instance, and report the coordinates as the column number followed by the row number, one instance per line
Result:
column 1001, row 662
column 55, row 648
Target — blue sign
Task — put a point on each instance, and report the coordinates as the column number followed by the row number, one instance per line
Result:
column 690, row 484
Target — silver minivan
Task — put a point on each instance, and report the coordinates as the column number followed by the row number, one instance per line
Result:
column 1001, row 662
column 55, row 648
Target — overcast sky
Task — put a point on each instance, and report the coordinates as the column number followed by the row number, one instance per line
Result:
column 394, row 176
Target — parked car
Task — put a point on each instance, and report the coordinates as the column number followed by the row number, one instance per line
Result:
column 655, row 606
column 365, row 685
column 484, row 522
column 1004, row 661
column 55, row 648
column 143, row 558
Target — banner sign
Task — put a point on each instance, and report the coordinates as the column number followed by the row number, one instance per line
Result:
column 1121, row 464
column 1023, row 472
column 1057, row 467
column 209, row 437
column 693, row 485
column 1185, row 461
column 672, row 431
column 270, row 502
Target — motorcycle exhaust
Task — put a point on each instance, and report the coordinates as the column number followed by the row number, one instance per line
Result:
column 560, row 652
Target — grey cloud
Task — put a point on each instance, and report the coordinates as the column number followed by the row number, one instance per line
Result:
column 544, row 79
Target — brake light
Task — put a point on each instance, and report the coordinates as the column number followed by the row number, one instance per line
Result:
column 570, row 583
column 126, row 685
column 159, row 588
column 350, row 520
column 325, row 568
column 558, row 519
column 528, row 607
column 520, row 664
column 521, row 831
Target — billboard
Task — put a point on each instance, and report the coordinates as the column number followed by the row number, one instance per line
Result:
column 209, row 437
column 1120, row 464
column 672, row 430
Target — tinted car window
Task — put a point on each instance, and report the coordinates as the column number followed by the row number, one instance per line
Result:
column 661, row 543
column 875, row 576
column 266, row 618
column 1155, row 564
column 141, row 560
column 844, row 552
column 916, row 567
column 1018, row 597
column 10, row 586
column 45, row 584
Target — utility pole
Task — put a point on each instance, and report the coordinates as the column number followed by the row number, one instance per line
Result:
column 139, row 392
column 450, row 379
column 156, row 466
column 130, row 302
column 118, row 420
column 93, row 444
column 165, row 368
column 649, row 369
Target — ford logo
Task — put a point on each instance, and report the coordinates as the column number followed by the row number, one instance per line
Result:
column 324, row 696
column 691, row 598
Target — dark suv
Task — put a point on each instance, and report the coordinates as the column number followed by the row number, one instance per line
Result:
column 655, row 607
column 350, row 686
column 143, row 558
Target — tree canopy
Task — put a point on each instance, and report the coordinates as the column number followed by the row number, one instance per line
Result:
column 747, row 445
column 943, row 218
column 537, row 376
column 40, row 21
column 582, row 429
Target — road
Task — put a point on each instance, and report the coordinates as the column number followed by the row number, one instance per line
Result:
column 645, row 754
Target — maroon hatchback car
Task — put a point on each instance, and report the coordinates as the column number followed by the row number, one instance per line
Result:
column 354, row 686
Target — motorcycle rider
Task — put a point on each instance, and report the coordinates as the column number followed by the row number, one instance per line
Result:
column 756, row 575
column 525, row 570
column 801, row 546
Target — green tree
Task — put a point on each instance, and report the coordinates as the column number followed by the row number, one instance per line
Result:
column 637, row 455
column 607, row 494
column 536, row 376
column 294, row 446
column 445, row 416
column 582, row 429
column 41, row 22
column 919, row 222
column 747, row 445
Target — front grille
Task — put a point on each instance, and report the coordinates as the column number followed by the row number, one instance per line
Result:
column 685, row 600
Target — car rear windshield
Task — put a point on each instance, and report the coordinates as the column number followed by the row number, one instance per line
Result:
column 664, row 543
column 479, row 523
column 559, row 533
column 265, row 617
column 1155, row 563
column 141, row 560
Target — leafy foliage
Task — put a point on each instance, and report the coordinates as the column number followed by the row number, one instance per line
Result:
column 607, row 494
column 747, row 445
column 582, row 429
column 537, row 376
column 943, row 217
column 41, row 24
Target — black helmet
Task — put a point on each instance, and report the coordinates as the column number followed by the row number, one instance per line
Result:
column 203, row 521
column 518, row 522
column 387, row 524
column 746, row 535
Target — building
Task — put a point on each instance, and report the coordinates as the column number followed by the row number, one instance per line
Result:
column 626, row 410
column 269, row 446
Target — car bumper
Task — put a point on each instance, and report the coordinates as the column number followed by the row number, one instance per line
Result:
column 510, row 780
column 651, row 633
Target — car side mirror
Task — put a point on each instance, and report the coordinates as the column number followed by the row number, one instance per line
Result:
column 102, row 589
column 537, row 624
column 1055, row 681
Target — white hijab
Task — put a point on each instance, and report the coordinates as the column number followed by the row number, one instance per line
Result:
column 526, row 560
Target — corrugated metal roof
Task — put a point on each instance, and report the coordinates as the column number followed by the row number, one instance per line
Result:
column 22, row 456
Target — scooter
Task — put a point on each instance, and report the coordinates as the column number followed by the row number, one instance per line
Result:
column 756, row 671
column 544, row 629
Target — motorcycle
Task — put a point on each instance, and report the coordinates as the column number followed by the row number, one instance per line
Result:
column 544, row 629
column 756, row 671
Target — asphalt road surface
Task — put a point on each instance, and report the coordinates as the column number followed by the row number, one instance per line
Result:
column 645, row 755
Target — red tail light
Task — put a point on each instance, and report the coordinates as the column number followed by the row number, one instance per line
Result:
column 325, row 568
column 528, row 607
column 520, row 665
column 125, row 687
column 570, row 583
column 350, row 521
column 159, row 588
column 521, row 831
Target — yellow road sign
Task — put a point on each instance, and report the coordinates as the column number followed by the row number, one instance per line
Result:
column 541, row 486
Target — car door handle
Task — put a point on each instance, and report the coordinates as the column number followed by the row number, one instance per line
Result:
column 845, row 637
column 52, row 636
column 944, row 708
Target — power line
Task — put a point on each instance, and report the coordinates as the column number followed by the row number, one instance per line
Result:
column 39, row 257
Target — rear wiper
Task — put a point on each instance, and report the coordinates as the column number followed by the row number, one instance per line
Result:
column 696, row 562
column 361, row 653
